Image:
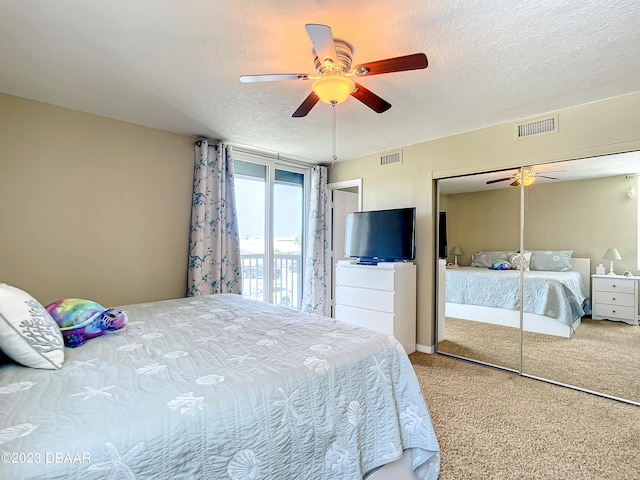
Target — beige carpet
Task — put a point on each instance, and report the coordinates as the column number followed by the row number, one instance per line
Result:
column 493, row 424
column 602, row 356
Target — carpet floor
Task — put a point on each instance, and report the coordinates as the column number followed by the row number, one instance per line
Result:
column 602, row 356
column 493, row 424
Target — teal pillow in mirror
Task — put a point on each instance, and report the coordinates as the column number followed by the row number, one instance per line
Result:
column 485, row 259
column 551, row 260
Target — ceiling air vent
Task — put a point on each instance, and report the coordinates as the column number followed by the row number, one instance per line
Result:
column 537, row 127
column 391, row 158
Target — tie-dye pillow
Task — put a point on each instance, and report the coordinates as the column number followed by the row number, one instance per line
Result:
column 500, row 265
column 79, row 319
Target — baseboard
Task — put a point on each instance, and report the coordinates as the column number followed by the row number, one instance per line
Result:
column 424, row 349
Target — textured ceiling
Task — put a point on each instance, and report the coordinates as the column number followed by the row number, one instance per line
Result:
column 175, row 65
column 626, row 166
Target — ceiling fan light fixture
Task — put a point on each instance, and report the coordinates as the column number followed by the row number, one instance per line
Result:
column 528, row 180
column 333, row 89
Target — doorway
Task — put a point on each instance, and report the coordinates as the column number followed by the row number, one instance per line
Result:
column 346, row 198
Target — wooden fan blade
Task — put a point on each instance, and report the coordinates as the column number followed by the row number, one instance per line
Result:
column 499, row 180
column 415, row 61
column 543, row 176
column 370, row 99
column 306, row 106
column 322, row 40
column 268, row 77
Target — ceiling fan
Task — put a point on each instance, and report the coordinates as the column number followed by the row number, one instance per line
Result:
column 529, row 177
column 333, row 82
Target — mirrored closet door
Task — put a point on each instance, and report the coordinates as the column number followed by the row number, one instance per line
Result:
column 482, row 229
column 574, row 213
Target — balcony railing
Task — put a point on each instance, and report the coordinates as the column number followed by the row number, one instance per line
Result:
column 287, row 280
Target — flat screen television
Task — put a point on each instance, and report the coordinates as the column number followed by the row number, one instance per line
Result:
column 381, row 235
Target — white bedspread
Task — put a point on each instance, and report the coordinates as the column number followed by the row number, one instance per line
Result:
column 217, row 387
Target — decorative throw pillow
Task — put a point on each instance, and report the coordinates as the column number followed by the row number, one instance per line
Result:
column 485, row 259
column 80, row 319
column 500, row 265
column 520, row 261
column 28, row 334
column 551, row 260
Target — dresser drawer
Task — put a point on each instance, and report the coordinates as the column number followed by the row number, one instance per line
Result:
column 615, row 311
column 614, row 285
column 614, row 298
column 364, row 298
column 366, row 276
column 378, row 321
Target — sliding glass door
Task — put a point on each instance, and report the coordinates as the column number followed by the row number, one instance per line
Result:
column 251, row 199
column 271, row 206
column 288, row 232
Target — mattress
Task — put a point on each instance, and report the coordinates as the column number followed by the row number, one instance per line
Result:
column 558, row 295
column 218, row 386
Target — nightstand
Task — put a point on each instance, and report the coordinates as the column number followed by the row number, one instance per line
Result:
column 615, row 297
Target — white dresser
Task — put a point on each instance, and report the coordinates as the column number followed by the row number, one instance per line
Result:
column 381, row 297
column 615, row 298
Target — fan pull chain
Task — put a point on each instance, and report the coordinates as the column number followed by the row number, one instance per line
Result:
column 334, row 158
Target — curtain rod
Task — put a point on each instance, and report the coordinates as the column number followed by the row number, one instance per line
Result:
column 263, row 153
column 272, row 156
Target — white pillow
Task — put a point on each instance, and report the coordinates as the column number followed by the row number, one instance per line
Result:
column 28, row 334
column 520, row 261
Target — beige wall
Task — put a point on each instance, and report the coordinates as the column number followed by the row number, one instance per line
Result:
column 586, row 216
column 97, row 208
column 482, row 221
column 92, row 207
column 609, row 126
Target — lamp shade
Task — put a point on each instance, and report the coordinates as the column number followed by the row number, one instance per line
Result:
column 455, row 251
column 333, row 88
column 612, row 254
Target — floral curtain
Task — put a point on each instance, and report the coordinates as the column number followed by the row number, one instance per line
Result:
column 214, row 244
column 315, row 288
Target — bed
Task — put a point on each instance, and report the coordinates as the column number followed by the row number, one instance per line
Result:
column 554, row 301
column 218, row 386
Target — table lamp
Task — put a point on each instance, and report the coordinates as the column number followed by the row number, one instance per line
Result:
column 455, row 251
column 611, row 254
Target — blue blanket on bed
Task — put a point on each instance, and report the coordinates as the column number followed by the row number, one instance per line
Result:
column 218, row 387
column 559, row 295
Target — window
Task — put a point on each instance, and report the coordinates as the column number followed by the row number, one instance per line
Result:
column 271, row 205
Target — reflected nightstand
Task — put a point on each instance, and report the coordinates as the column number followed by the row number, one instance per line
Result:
column 615, row 298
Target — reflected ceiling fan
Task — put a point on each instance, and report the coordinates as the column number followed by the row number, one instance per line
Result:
column 529, row 177
column 334, row 82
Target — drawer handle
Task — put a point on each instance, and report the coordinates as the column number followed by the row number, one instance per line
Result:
column 614, row 299
column 614, row 311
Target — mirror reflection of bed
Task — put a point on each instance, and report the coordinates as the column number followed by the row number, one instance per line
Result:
column 581, row 218
column 554, row 303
